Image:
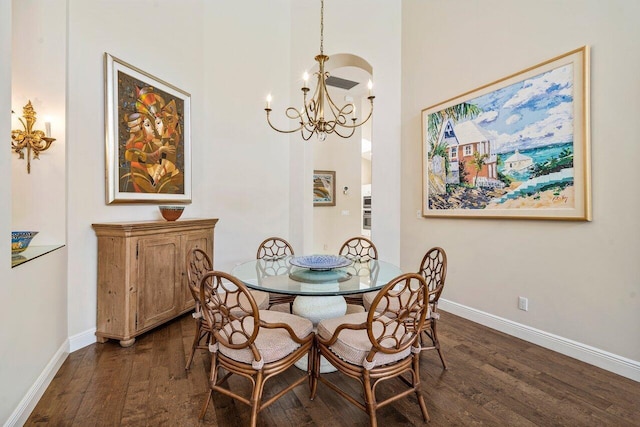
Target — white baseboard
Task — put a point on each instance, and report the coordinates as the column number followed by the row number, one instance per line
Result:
column 29, row 401
column 81, row 340
column 594, row 356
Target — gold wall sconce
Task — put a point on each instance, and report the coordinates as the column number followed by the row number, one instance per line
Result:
column 35, row 141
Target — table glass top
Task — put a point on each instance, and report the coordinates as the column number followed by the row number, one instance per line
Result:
column 282, row 277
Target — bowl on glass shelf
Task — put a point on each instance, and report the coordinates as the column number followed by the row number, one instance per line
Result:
column 20, row 241
column 171, row 213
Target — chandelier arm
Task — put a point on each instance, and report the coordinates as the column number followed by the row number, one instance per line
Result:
column 293, row 114
column 340, row 114
column 268, row 110
column 310, row 111
column 311, row 132
column 334, row 107
column 311, row 107
column 337, row 132
column 310, row 127
column 355, row 125
column 330, row 126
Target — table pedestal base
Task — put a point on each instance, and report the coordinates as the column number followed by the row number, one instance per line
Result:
column 317, row 309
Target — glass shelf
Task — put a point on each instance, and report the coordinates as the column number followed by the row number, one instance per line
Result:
column 32, row 252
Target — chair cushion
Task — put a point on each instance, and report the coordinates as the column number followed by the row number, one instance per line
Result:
column 273, row 344
column 354, row 308
column 367, row 299
column 353, row 346
column 262, row 299
column 394, row 304
column 282, row 308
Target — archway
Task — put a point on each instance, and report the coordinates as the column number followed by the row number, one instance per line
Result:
column 350, row 159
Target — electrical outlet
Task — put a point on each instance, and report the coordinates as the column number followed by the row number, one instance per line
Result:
column 523, row 303
column 325, row 247
column 418, row 214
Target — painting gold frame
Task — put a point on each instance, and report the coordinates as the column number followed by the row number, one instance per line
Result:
column 324, row 188
column 515, row 148
column 148, row 137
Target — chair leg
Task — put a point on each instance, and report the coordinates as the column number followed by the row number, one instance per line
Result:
column 203, row 411
column 256, row 398
column 370, row 400
column 196, row 340
column 436, row 342
column 213, row 377
column 415, row 374
column 423, row 406
column 315, row 370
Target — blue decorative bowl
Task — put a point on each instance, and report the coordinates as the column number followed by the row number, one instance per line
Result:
column 20, row 240
column 320, row 262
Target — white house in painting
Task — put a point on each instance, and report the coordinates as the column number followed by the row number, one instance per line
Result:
column 463, row 140
column 517, row 162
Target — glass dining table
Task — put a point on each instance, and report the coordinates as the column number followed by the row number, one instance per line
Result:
column 319, row 293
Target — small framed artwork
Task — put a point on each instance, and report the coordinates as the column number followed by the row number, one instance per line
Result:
column 324, row 188
column 514, row 148
column 148, row 137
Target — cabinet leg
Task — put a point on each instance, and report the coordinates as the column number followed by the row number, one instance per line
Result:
column 127, row 343
column 101, row 340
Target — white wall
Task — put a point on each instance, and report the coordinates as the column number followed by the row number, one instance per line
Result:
column 581, row 278
column 38, row 74
column 244, row 166
column 370, row 29
column 8, row 397
column 227, row 59
column 331, row 226
column 34, row 316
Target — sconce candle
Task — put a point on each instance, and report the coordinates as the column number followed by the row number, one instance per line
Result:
column 35, row 141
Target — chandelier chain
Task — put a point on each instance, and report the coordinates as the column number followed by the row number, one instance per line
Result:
column 321, row 27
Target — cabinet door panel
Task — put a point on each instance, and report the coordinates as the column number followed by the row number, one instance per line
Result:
column 158, row 279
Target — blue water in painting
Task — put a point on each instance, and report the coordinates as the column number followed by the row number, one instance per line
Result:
column 538, row 155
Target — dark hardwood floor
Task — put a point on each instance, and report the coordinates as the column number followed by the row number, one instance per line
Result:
column 493, row 379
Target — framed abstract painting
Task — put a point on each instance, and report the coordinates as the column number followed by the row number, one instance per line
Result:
column 514, row 148
column 148, row 138
column 324, row 188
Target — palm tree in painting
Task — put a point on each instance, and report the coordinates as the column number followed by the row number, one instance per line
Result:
column 457, row 113
column 478, row 163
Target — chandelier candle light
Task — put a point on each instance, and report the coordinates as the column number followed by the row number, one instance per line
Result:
column 320, row 115
column 35, row 141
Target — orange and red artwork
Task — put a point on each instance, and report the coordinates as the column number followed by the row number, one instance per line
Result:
column 147, row 137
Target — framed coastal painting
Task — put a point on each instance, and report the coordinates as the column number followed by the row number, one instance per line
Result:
column 514, row 148
column 148, row 139
column 324, row 188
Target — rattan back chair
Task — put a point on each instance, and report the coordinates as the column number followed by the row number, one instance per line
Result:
column 358, row 249
column 434, row 270
column 379, row 345
column 198, row 263
column 275, row 249
column 254, row 344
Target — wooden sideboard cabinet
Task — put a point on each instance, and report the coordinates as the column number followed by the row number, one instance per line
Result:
column 142, row 278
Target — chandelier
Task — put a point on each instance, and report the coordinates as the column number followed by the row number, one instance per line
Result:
column 320, row 115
